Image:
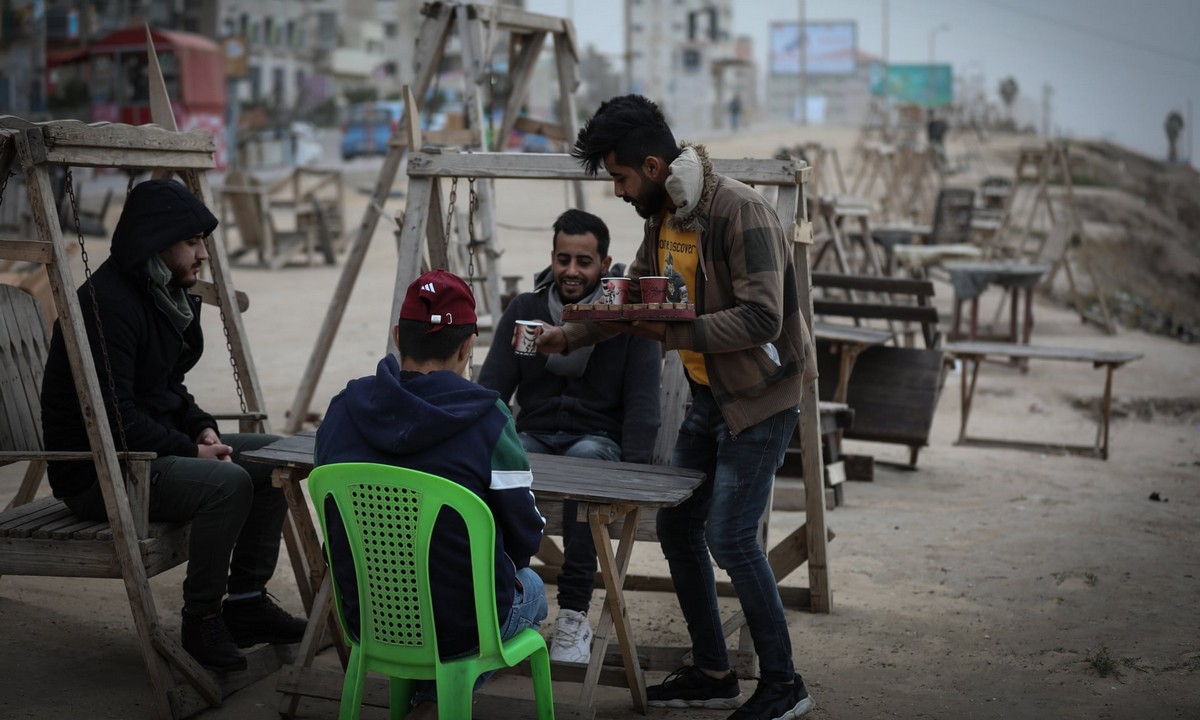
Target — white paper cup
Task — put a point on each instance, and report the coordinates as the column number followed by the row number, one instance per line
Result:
column 616, row 290
column 527, row 343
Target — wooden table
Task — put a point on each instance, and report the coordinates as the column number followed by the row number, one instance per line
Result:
column 605, row 491
column 973, row 353
column 848, row 342
column 970, row 279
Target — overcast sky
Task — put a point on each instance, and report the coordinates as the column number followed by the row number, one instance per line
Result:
column 1116, row 67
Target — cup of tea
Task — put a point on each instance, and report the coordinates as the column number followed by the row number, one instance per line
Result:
column 527, row 342
column 616, row 290
column 654, row 289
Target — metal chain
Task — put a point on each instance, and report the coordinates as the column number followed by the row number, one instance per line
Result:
column 449, row 219
column 472, row 207
column 237, row 376
column 87, row 274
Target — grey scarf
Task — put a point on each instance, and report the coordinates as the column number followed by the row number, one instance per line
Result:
column 168, row 298
column 573, row 365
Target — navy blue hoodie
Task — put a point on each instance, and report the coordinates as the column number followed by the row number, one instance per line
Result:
column 445, row 425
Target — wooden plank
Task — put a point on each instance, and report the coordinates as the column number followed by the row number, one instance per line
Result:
column 872, row 283
column 548, row 130
column 261, row 661
column 560, row 166
column 506, row 17
column 208, row 293
column 876, row 311
column 1043, row 352
column 117, row 139
column 849, row 333
column 14, row 516
column 1032, row 446
column 57, row 558
column 469, row 137
column 36, row 251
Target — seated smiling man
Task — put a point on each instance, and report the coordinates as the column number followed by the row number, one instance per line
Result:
column 600, row 402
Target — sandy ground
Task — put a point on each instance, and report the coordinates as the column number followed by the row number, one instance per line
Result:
column 986, row 584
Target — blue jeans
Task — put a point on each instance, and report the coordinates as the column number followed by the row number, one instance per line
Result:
column 528, row 611
column 236, row 517
column 722, row 517
column 577, row 577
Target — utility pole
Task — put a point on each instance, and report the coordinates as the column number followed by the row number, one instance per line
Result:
column 885, row 36
column 628, row 46
column 1047, row 92
column 37, row 89
column 802, row 38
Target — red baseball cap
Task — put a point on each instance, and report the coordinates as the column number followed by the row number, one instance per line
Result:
column 439, row 298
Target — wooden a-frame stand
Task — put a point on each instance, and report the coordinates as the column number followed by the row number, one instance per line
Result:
column 476, row 26
column 34, row 147
column 806, row 543
column 1035, row 165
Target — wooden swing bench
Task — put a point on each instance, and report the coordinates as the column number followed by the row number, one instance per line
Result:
column 41, row 537
column 893, row 391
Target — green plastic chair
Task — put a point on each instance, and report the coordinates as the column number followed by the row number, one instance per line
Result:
column 389, row 514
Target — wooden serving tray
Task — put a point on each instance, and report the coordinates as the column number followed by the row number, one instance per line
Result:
column 628, row 313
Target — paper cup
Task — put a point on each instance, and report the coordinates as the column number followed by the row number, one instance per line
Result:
column 527, row 343
column 654, row 289
column 616, row 290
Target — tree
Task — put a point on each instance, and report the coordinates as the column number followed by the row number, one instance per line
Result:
column 1173, row 126
column 1008, row 93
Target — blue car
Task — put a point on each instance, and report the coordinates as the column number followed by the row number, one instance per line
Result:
column 369, row 126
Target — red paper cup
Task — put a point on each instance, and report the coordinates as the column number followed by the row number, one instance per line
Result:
column 654, row 289
column 530, row 329
column 616, row 290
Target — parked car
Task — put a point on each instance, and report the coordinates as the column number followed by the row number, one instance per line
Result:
column 369, row 126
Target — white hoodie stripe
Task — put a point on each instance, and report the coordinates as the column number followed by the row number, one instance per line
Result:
column 511, row 479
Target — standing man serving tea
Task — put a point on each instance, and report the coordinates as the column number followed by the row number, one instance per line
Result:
column 748, row 355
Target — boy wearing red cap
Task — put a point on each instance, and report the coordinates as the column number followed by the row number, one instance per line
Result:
column 421, row 413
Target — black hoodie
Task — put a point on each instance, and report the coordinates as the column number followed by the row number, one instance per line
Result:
column 148, row 356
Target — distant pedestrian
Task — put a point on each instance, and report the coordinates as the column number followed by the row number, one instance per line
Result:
column 735, row 109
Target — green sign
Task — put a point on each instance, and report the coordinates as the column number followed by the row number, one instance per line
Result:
column 928, row 85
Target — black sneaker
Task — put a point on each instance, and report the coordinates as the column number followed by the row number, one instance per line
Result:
column 259, row 620
column 776, row 701
column 206, row 638
column 690, row 687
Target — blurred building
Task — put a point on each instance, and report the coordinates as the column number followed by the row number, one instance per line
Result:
column 684, row 57
column 297, row 53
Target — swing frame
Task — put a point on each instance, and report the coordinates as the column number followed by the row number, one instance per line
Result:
column 126, row 547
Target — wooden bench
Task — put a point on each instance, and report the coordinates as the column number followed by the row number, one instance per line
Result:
column 893, row 390
column 975, row 353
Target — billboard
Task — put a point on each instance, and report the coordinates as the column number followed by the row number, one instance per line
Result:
column 928, row 85
column 831, row 47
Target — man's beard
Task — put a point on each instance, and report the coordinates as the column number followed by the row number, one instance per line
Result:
column 184, row 278
column 651, row 202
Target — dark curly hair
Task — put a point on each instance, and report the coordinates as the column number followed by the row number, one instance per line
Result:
column 630, row 126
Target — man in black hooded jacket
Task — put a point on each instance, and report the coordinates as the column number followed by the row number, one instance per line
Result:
column 151, row 339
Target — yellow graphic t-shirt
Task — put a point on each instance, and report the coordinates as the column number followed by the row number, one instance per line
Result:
column 679, row 257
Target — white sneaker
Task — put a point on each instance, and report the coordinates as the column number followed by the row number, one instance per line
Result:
column 572, row 640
